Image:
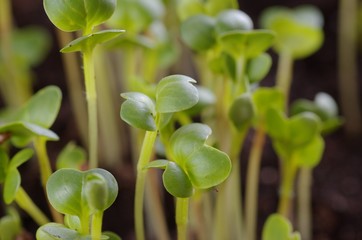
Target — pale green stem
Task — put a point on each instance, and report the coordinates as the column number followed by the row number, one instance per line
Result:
column 182, row 215
column 304, row 203
column 91, row 95
column 84, row 221
column 45, row 170
column 252, row 183
column 242, row 84
column 348, row 66
column 25, row 202
column 145, row 157
column 289, row 170
column 96, row 231
column 284, row 73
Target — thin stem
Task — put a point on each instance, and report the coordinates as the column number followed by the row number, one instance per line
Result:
column 242, row 84
column 284, row 72
column 91, row 94
column 182, row 215
column 145, row 156
column 84, row 221
column 348, row 68
column 304, row 203
column 96, row 231
column 25, row 202
column 289, row 170
column 45, row 171
column 252, row 181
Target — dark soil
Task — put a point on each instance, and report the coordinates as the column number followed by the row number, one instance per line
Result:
column 337, row 187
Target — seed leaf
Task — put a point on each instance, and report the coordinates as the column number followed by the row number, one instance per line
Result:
column 175, row 93
column 138, row 111
column 56, row 231
column 207, row 167
column 279, row 227
column 258, row 67
column 76, row 15
column 91, row 40
column 246, row 43
column 4, row 163
column 11, row 185
column 68, row 193
column 72, row 156
column 298, row 31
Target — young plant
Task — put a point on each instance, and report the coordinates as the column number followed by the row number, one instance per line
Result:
column 193, row 166
column 262, row 99
column 11, row 180
column 298, row 143
column 82, row 197
column 173, row 93
column 326, row 109
column 298, row 35
column 279, row 227
column 85, row 16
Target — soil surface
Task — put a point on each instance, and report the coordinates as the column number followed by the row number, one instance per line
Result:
column 337, row 186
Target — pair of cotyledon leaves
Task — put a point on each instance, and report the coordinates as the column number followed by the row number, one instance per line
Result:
column 194, row 164
column 78, row 195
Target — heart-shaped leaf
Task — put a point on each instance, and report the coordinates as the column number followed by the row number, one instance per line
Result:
column 277, row 125
column 76, row 15
column 138, row 111
column 298, row 31
column 198, row 32
column 207, row 167
column 91, row 40
column 279, row 227
column 68, row 192
column 176, row 93
column 246, row 43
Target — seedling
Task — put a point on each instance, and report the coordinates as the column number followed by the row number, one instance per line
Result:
column 10, row 225
column 194, row 165
column 279, row 227
column 82, row 197
column 298, row 35
column 173, row 93
column 11, row 179
column 298, row 143
column 79, row 15
column 31, row 123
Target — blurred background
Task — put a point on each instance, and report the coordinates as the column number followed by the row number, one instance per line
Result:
column 337, row 188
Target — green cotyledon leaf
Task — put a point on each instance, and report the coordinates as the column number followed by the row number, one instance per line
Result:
column 176, row 93
column 77, row 15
